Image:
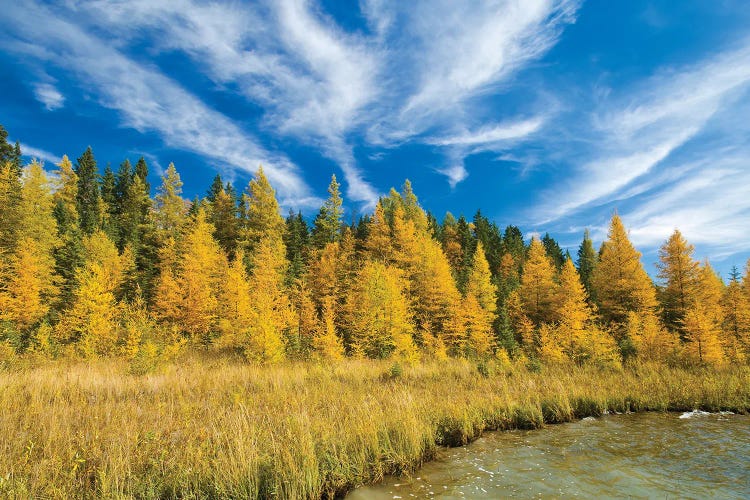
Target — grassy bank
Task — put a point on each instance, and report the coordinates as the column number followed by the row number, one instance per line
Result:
column 221, row 428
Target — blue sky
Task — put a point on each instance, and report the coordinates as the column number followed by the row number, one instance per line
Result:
column 548, row 114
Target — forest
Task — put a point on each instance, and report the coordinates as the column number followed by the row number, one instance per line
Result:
column 155, row 347
column 93, row 266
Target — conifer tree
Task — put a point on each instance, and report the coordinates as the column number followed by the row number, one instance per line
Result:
column 381, row 321
column 537, row 289
column 679, row 273
column 110, row 203
column 167, row 300
column 702, row 337
column 37, row 220
column 202, row 266
column 451, row 243
column 652, row 342
column 261, row 218
column 736, row 319
column 223, row 215
column 553, row 250
column 326, row 343
column 171, row 208
column 10, row 208
column 586, row 262
column 236, row 309
column 619, row 282
column 580, row 339
column 327, row 228
column 141, row 171
column 29, row 287
column 69, row 254
column 296, row 238
column 306, row 320
column 88, row 201
column 378, row 243
column 273, row 315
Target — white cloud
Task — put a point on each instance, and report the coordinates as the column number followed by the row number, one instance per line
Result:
column 321, row 84
column 40, row 154
column 636, row 134
column 492, row 134
column 48, row 95
column 146, row 99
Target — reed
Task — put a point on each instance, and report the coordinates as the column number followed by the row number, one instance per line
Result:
column 217, row 427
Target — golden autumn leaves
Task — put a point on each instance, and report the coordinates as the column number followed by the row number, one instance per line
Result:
column 223, row 278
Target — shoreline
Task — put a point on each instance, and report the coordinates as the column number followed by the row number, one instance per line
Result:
column 220, row 428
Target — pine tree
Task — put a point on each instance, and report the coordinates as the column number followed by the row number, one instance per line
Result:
column 327, row 228
column 537, row 289
column 141, row 171
column 69, row 254
column 553, row 250
column 451, row 243
column 620, row 284
column 679, row 273
column 586, row 262
column 88, row 201
column 652, row 342
column 110, row 202
column 296, row 240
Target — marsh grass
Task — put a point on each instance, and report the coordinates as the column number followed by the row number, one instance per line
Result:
column 216, row 427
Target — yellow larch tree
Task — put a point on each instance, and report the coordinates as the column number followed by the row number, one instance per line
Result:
column 379, row 245
column 66, row 191
column 736, row 321
column 29, row 286
column 579, row 337
column 437, row 300
column 170, row 207
column 202, row 266
column 381, row 321
column 680, row 276
column 326, row 343
column 652, row 342
column 620, row 283
column 37, row 204
column 91, row 323
column 260, row 214
column 273, row 314
column 538, row 285
column 235, row 306
column 480, row 306
column 167, row 300
column 520, row 322
column 702, row 337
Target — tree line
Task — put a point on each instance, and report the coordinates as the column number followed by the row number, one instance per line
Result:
column 91, row 265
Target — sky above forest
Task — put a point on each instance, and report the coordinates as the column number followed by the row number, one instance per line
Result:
column 547, row 114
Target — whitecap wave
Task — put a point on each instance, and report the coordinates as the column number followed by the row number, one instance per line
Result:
column 694, row 413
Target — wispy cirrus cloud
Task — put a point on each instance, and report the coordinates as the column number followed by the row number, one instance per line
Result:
column 48, row 95
column 40, row 154
column 415, row 72
column 638, row 131
column 146, row 99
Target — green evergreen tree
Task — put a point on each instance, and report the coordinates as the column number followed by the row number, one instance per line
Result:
column 296, row 240
column 554, row 252
column 88, row 201
column 586, row 262
column 327, row 228
column 141, row 171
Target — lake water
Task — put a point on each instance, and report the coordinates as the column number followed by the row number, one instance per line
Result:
column 647, row 455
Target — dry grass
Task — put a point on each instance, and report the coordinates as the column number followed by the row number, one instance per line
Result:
column 221, row 428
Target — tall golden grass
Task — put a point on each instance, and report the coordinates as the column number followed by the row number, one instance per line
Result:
column 210, row 427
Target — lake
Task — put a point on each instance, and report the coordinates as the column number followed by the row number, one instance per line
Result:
column 647, row 455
